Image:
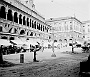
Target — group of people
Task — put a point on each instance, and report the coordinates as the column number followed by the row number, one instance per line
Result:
column 5, row 50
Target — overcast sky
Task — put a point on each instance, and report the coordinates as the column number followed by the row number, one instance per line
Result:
column 64, row 8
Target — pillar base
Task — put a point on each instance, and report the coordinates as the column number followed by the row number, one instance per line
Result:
column 35, row 60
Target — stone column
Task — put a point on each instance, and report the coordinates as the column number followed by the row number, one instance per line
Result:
column 18, row 17
column 13, row 16
column 6, row 12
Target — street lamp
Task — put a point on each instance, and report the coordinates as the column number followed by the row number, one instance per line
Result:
column 72, row 46
column 53, row 54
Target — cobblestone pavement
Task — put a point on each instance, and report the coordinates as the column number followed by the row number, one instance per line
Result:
column 58, row 67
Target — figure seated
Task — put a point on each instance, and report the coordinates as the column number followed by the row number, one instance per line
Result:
column 84, row 67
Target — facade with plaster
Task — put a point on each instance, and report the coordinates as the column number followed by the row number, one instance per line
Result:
column 86, row 26
column 20, row 20
column 66, row 29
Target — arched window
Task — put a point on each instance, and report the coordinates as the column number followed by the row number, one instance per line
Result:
column 20, row 19
column 22, row 32
column 15, row 17
column 4, row 37
column 47, row 29
column 60, row 40
column 2, row 12
column 24, row 22
column 1, row 29
column 27, row 33
column 11, row 38
column 31, row 34
column 41, row 27
column 9, row 15
column 35, row 24
column 30, row 23
column 27, row 21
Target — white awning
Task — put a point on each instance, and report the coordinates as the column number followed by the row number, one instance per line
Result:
column 5, row 42
column 45, row 43
column 16, row 42
column 28, row 42
column 79, row 42
column 56, row 44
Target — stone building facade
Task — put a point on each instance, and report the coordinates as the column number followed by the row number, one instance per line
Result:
column 20, row 20
column 66, row 29
column 86, row 26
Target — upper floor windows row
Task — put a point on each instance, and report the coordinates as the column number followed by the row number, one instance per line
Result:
column 20, row 19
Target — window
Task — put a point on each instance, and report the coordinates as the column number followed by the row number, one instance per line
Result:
column 24, row 22
column 0, row 29
column 70, row 27
column 30, row 23
column 31, row 34
column 15, row 17
column 2, row 12
column 20, row 19
column 9, row 15
column 27, row 21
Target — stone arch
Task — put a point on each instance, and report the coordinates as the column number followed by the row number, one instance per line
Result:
column 20, row 19
column 24, row 22
column 15, row 17
column 11, row 38
column 4, row 37
column 2, row 12
column 31, row 34
column 10, row 30
column 28, row 33
column 65, row 40
column 9, row 15
column 22, row 32
column 60, row 40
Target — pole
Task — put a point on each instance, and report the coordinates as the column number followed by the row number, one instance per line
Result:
column 72, row 46
column 34, row 56
column 53, row 55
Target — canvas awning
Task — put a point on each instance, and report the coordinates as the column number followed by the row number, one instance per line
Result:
column 5, row 42
column 45, row 44
column 23, row 42
column 79, row 42
column 56, row 44
column 28, row 42
column 16, row 42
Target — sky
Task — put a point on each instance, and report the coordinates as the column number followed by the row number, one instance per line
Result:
column 64, row 8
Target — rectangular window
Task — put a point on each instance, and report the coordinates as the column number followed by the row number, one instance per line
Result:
column 0, row 29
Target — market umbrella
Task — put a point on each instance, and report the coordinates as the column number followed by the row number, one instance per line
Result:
column 5, row 42
column 16, row 42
